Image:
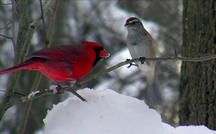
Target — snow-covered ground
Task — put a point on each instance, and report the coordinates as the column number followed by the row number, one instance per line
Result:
column 108, row 112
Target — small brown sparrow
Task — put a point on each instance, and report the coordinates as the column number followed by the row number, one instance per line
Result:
column 140, row 44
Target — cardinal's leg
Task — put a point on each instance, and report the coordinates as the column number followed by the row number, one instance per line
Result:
column 58, row 88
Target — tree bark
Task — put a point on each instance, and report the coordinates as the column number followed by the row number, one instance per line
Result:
column 198, row 80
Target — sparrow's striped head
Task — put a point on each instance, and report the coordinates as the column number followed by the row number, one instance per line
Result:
column 132, row 21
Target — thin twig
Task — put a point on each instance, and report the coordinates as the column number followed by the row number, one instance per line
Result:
column 51, row 25
column 6, row 36
column 5, row 4
column 6, row 26
column 42, row 13
column 190, row 59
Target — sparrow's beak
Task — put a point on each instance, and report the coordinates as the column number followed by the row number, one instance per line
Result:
column 126, row 24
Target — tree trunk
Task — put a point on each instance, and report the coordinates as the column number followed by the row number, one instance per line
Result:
column 198, row 80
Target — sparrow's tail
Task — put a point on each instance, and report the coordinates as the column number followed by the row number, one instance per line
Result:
column 151, row 73
column 153, row 90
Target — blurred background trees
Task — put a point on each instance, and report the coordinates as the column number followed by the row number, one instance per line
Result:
column 95, row 20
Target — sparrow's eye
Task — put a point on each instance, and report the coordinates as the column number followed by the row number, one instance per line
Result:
column 133, row 22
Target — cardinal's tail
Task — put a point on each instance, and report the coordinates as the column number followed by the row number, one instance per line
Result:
column 12, row 69
column 31, row 64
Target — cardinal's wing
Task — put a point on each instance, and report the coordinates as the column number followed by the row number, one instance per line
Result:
column 61, row 53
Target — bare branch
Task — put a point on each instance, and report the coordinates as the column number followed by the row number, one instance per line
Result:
column 128, row 61
column 6, row 36
column 42, row 13
column 5, row 4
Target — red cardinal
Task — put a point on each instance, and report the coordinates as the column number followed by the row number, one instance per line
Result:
column 63, row 63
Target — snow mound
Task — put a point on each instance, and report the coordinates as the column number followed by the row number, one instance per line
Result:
column 107, row 112
column 190, row 129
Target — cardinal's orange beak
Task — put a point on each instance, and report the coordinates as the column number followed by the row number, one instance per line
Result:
column 104, row 54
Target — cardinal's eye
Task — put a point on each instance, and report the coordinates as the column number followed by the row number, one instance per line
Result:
column 98, row 49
